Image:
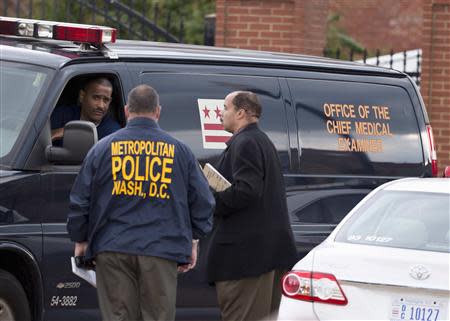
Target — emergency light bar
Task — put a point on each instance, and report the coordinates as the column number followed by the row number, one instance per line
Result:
column 90, row 34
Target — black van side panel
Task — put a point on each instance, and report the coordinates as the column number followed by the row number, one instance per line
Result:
column 323, row 183
column 186, row 98
column 192, row 103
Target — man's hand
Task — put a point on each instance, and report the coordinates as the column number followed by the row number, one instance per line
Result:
column 186, row 267
column 80, row 248
column 57, row 133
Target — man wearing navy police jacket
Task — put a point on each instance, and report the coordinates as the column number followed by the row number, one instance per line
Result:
column 138, row 206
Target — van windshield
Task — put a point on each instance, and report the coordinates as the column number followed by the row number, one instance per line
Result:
column 20, row 86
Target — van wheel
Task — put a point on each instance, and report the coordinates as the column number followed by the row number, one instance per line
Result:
column 13, row 299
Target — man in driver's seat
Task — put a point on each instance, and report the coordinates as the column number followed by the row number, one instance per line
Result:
column 93, row 104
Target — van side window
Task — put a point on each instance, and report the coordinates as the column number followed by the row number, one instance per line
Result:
column 356, row 128
column 96, row 98
column 185, row 97
column 327, row 210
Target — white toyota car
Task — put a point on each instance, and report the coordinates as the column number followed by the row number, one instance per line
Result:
column 387, row 260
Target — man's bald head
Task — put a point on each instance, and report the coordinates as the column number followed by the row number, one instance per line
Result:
column 143, row 99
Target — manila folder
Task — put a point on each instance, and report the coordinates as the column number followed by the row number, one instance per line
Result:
column 215, row 179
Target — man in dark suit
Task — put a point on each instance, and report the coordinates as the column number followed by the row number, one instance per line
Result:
column 252, row 240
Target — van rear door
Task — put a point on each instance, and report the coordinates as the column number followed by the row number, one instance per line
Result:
column 355, row 133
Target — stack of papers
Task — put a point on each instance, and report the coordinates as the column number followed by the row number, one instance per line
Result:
column 87, row 275
column 215, row 179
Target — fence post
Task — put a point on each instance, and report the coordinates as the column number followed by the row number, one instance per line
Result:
column 106, row 8
column 181, row 34
column 405, row 57
column 365, row 55
column 168, row 20
column 351, row 54
column 80, row 13
column 94, row 5
column 17, row 8
column 338, row 53
column 210, row 29
column 418, row 68
column 30, row 9
column 68, row 11
column 418, row 61
column 145, row 12
column 391, row 58
column 55, row 10
column 130, row 26
column 155, row 19
column 118, row 18
column 378, row 57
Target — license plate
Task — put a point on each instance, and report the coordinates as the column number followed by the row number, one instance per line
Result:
column 417, row 310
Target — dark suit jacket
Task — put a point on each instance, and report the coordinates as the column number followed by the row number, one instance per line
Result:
column 252, row 233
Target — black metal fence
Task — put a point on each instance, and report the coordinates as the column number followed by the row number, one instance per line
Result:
column 134, row 19
column 408, row 62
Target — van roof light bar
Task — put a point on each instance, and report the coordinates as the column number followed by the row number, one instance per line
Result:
column 78, row 33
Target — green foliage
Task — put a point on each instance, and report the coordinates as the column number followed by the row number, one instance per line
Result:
column 191, row 12
column 338, row 40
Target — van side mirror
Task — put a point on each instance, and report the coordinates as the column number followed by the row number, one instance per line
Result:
column 79, row 136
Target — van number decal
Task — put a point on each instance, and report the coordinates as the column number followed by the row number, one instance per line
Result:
column 64, row 301
column 214, row 135
column 360, row 127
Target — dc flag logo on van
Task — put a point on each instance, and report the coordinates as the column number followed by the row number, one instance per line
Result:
column 214, row 135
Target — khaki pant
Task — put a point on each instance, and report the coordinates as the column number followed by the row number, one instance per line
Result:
column 131, row 287
column 250, row 299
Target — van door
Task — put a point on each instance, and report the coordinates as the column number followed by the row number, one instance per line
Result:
column 191, row 109
column 66, row 295
column 353, row 137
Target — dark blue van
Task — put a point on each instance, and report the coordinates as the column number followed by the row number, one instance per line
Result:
column 341, row 129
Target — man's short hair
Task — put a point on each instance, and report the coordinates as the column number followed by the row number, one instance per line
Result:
column 249, row 102
column 98, row 81
column 143, row 99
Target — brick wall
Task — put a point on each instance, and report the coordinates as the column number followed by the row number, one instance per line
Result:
column 381, row 24
column 274, row 25
column 435, row 85
column 299, row 26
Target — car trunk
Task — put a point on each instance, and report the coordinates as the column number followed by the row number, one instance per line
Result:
column 379, row 284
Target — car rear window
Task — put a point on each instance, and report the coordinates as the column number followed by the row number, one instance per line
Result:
column 413, row 220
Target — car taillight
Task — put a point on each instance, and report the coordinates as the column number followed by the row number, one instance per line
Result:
column 313, row 286
column 434, row 164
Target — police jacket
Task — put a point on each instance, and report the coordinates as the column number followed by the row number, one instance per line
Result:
column 252, row 233
column 140, row 191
